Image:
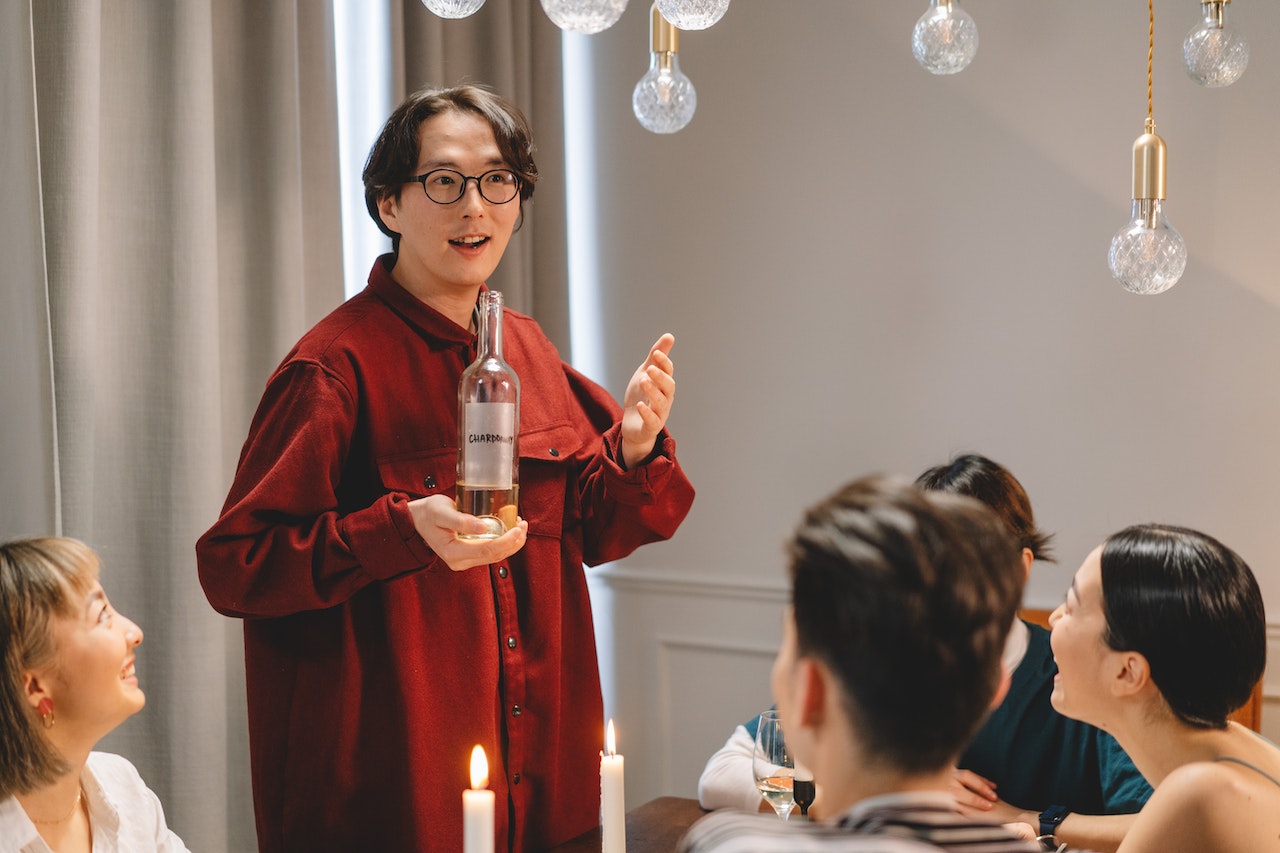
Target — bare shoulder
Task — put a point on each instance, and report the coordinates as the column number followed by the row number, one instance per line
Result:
column 1208, row 805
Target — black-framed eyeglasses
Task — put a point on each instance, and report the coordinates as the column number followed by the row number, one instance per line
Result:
column 446, row 186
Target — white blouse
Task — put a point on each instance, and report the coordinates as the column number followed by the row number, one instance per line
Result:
column 125, row 816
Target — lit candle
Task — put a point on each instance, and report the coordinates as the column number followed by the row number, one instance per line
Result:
column 477, row 807
column 613, row 810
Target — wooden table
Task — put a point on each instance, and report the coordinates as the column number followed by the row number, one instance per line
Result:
column 654, row 827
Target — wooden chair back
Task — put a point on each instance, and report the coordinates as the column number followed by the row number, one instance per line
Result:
column 1249, row 714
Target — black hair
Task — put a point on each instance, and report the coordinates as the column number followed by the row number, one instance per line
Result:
column 990, row 482
column 1192, row 607
column 394, row 155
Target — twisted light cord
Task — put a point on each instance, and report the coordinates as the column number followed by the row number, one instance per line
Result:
column 1151, row 49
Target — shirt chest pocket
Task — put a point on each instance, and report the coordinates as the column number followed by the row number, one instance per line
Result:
column 548, row 464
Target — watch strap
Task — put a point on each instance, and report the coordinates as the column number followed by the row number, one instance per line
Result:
column 1049, row 820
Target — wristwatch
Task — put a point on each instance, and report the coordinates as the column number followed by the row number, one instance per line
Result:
column 1049, row 820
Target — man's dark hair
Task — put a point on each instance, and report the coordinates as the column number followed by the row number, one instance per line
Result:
column 394, row 155
column 907, row 597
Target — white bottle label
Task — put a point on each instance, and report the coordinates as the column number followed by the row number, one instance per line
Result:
column 490, row 442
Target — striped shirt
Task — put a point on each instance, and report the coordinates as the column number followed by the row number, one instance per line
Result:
column 895, row 823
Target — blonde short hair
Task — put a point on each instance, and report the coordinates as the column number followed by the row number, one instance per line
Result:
column 38, row 581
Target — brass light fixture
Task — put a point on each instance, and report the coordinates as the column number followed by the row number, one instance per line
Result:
column 664, row 100
column 1148, row 255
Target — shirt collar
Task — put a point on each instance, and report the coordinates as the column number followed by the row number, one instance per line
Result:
column 1015, row 646
column 413, row 309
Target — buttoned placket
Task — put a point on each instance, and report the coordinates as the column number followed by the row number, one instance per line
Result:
column 511, row 649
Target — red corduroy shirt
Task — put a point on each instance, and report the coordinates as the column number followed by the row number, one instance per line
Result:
column 372, row 668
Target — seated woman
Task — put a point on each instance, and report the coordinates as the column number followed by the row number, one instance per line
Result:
column 68, row 680
column 1162, row 635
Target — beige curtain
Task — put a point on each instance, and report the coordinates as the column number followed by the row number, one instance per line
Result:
column 171, row 202
column 169, row 223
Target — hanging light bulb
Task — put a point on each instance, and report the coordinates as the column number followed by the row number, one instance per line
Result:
column 1147, row 255
column 1214, row 52
column 664, row 100
column 693, row 14
column 453, row 8
column 945, row 38
column 584, row 16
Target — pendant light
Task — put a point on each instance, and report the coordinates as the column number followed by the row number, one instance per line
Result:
column 1147, row 255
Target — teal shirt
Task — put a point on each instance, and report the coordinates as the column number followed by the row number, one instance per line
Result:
column 1039, row 758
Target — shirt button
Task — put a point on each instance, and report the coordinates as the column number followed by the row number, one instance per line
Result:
column 554, row 452
column 516, row 710
column 515, row 780
column 502, row 571
column 429, row 481
column 511, row 642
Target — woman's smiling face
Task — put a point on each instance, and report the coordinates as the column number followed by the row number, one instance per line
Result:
column 1082, row 655
column 91, row 679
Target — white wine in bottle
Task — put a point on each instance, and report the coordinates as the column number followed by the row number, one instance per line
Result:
column 489, row 429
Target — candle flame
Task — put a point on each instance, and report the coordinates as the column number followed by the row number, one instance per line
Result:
column 479, row 769
column 610, row 743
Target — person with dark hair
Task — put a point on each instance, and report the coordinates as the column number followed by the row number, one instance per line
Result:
column 890, row 659
column 1027, row 765
column 379, row 646
column 69, row 678
column 1161, row 636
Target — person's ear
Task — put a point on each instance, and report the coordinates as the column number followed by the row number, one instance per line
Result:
column 1132, row 672
column 388, row 209
column 812, row 683
column 1027, row 559
column 33, row 690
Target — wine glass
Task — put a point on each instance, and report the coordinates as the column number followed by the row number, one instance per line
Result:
column 773, row 766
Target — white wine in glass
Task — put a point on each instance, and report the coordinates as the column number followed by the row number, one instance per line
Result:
column 772, row 766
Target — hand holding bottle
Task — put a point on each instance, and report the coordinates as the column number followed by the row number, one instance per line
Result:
column 647, row 403
column 438, row 522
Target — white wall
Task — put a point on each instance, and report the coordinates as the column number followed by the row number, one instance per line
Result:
column 868, row 268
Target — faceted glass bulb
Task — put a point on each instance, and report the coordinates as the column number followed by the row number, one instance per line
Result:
column 945, row 39
column 664, row 100
column 1147, row 255
column 1215, row 53
column 453, row 8
column 584, row 16
column 693, row 14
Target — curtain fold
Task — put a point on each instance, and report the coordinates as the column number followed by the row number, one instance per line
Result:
column 188, row 191
column 28, row 458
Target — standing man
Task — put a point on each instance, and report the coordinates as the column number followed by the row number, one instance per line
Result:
column 379, row 647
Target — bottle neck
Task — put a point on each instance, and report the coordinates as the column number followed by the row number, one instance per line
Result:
column 490, row 331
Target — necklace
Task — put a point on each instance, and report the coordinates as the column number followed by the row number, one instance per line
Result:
column 74, row 806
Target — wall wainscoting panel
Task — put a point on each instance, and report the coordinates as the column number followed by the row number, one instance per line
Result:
column 683, row 661
column 699, row 683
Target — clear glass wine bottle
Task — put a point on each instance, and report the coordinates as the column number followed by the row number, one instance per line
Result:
column 489, row 429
